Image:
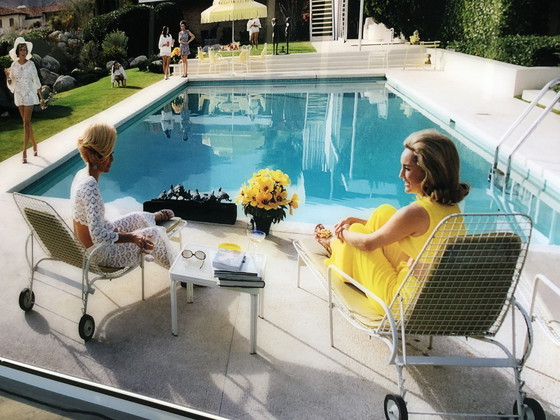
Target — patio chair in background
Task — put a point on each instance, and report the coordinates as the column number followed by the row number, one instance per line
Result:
column 201, row 59
column 261, row 58
column 544, row 306
column 461, row 285
column 60, row 243
column 241, row 60
column 216, row 60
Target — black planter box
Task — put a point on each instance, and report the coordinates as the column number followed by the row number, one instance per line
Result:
column 225, row 213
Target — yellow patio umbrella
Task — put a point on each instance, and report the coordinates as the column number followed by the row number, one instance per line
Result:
column 226, row 10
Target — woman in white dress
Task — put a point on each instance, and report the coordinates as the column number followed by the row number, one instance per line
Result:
column 24, row 83
column 253, row 27
column 126, row 237
column 165, row 45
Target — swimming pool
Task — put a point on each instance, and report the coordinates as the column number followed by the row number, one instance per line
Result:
column 339, row 141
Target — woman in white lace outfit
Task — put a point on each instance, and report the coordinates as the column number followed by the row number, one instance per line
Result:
column 125, row 237
column 23, row 82
column 165, row 45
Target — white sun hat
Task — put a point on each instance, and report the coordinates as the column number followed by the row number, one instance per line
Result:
column 20, row 40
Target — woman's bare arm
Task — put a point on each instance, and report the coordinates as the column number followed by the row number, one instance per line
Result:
column 412, row 220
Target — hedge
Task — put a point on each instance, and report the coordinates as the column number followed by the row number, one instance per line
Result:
column 524, row 50
column 134, row 22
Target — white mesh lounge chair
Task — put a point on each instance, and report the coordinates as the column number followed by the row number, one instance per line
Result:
column 461, row 285
column 60, row 243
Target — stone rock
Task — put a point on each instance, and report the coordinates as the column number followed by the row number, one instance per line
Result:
column 135, row 62
column 73, row 43
column 36, row 58
column 54, row 36
column 156, row 66
column 61, row 45
column 76, row 72
column 48, row 77
column 51, row 63
column 64, row 83
column 63, row 37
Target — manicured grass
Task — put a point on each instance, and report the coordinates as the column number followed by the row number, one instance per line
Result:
column 70, row 108
column 297, row 47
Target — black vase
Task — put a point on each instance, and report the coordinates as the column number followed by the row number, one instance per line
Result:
column 262, row 223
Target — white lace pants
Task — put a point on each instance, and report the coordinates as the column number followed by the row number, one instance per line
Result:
column 143, row 223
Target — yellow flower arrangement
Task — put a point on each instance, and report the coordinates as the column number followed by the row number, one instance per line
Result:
column 265, row 195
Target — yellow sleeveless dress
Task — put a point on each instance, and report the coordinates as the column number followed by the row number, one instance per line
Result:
column 383, row 270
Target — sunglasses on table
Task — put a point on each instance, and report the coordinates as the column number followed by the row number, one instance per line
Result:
column 187, row 253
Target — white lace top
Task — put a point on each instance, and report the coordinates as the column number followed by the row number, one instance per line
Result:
column 89, row 208
column 25, row 83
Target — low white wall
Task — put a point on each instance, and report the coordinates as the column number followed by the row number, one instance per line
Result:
column 496, row 78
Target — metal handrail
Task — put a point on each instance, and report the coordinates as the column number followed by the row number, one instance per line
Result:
column 524, row 137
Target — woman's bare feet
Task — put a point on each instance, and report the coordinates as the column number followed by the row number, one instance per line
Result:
column 323, row 236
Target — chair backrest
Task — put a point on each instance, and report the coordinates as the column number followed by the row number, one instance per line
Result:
column 463, row 280
column 200, row 54
column 243, row 55
column 52, row 233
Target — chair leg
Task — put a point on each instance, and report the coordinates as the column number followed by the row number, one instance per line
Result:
column 142, row 269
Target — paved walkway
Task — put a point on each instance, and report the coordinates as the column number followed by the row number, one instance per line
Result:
column 296, row 374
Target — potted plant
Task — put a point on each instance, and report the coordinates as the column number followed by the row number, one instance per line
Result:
column 265, row 198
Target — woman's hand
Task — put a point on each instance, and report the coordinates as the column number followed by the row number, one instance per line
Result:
column 144, row 243
column 345, row 224
column 339, row 229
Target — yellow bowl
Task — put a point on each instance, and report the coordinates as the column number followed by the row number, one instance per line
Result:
column 229, row 245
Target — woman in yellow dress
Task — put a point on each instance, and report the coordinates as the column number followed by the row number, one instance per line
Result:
column 377, row 252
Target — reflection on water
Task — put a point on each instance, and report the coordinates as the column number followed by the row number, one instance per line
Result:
column 340, row 143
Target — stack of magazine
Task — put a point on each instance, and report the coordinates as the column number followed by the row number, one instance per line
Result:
column 236, row 269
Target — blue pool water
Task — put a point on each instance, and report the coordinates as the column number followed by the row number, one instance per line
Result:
column 340, row 143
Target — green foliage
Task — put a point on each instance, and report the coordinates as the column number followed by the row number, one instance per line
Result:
column 76, row 14
column 496, row 29
column 167, row 14
column 406, row 16
column 89, row 76
column 90, row 56
column 524, row 50
column 114, row 46
column 5, row 62
column 132, row 20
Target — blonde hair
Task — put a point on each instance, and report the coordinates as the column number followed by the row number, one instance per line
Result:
column 97, row 142
column 437, row 156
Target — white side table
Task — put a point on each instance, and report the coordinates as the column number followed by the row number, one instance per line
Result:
column 189, row 271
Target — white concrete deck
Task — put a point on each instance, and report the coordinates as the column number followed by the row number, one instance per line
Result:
column 296, row 374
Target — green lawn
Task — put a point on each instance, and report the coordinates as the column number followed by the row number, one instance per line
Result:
column 70, row 108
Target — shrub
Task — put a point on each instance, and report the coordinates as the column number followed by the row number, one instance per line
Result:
column 114, row 46
column 90, row 57
column 132, row 20
column 524, row 50
column 89, row 76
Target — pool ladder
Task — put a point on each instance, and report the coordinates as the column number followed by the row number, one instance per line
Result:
column 524, row 137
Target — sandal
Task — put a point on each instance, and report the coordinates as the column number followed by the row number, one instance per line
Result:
column 322, row 232
column 164, row 215
column 325, row 243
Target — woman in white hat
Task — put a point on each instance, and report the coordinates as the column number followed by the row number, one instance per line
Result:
column 24, row 83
